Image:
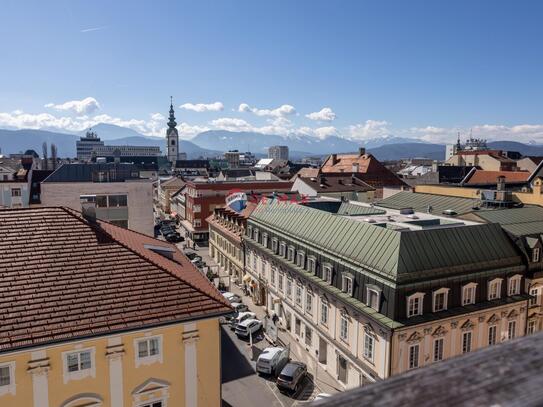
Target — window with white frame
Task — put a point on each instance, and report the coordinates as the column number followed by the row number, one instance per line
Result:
column 327, row 273
column 274, row 245
column 344, row 328
column 308, row 335
column 158, row 403
column 272, row 275
column 197, row 223
column 256, row 234
column 492, row 332
column 298, row 297
column 536, row 254
column 309, row 302
column 494, row 289
column 79, row 364
column 415, row 304
column 289, row 287
column 369, row 346
column 373, row 296
column 438, row 349
column 413, row 356
column 324, row 312
column 513, row 287
column 531, row 327
column 290, row 255
column 7, row 378
column 347, row 283
column 534, row 292
column 311, row 264
column 511, row 330
column 440, row 299
column 282, row 249
column 197, row 208
column 148, row 350
column 280, row 285
column 300, row 259
column 466, row 341
column 468, row 293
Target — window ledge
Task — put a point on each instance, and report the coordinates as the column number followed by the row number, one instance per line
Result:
column 148, row 360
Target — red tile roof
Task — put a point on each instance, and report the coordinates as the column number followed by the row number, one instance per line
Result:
column 481, row 177
column 63, row 278
column 370, row 170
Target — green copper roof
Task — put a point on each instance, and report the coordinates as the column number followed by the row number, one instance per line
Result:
column 394, row 255
column 517, row 221
column 349, row 209
column 420, row 202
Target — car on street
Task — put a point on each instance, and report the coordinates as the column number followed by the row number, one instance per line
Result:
column 242, row 316
column 291, row 376
column 272, row 360
column 248, row 327
column 231, row 297
column 239, row 307
column 174, row 237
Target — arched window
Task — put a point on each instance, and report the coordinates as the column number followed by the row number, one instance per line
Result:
column 84, row 400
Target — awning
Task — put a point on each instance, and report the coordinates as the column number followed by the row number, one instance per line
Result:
column 247, row 278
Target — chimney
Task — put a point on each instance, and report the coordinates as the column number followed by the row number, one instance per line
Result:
column 434, row 166
column 334, row 159
column 500, row 184
column 88, row 207
column 355, row 167
column 361, row 151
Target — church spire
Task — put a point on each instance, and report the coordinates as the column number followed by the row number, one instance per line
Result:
column 171, row 122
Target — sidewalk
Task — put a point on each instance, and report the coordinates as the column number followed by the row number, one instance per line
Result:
column 323, row 381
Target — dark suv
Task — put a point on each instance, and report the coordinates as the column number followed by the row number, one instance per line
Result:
column 291, row 376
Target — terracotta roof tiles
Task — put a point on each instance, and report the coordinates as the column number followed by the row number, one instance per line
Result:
column 63, row 277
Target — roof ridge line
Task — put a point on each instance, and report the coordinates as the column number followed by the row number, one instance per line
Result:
column 174, row 274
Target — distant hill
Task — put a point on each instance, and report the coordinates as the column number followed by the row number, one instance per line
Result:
column 524, row 149
column 108, row 132
column 409, row 150
column 16, row 141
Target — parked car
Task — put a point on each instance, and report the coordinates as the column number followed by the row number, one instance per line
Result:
column 174, row 237
column 195, row 259
column 291, row 376
column 232, row 297
column 272, row 360
column 239, row 307
column 240, row 317
column 248, row 327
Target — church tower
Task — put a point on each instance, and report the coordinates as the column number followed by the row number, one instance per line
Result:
column 172, row 137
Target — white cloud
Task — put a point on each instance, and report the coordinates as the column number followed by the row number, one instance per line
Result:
column 369, row 129
column 326, row 114
column 281, row 111
column 85, row 106
column 232, row 124
column 203, row 107
column 86, row 30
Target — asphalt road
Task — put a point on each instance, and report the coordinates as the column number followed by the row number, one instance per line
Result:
column 242, row 387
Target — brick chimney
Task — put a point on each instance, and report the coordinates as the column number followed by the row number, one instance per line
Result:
column 334, row 159
column 361, row 151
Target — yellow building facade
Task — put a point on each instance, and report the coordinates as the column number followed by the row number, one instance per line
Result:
column 184, row 370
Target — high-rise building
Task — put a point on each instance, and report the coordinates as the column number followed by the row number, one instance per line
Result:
column 85, row 145
column 278, row 152
column 172, row 138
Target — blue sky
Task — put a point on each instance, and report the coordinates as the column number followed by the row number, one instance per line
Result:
column 423, row 69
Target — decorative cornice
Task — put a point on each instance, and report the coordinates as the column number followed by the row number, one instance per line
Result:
column 190, row 336
column 38, row 366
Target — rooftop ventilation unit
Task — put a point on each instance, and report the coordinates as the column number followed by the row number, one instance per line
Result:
column 449, row 212
column 369, row 220
column 407, row 211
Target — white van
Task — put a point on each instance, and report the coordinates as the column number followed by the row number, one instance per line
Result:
column 272, row 360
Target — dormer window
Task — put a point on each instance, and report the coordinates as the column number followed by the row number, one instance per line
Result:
column 468, row 293
column 514, row 285
column 274, row 245
column 255, row 235
column 414, row 304
column 265, row 239
column 347, row 283
column 536, row 254
column 373, row 296
column 250, row 231
column 440, row 299
column 327, row 273
column 300, row 259
column 282, row 249
column 311, row 264
column 290, row 254
column 494, row 289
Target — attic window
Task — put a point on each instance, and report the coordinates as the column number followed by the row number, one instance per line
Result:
column 536, row 255
column 164, row 251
